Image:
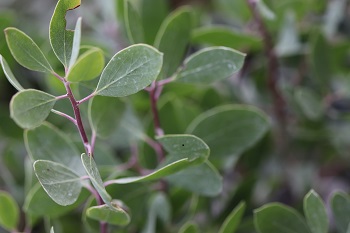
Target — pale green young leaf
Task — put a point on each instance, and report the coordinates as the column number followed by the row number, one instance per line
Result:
column 164, row 171
column 52, row 230
column 9, row 211
column 61, row 39
column 233, row 129
column 9, row 75
column 26, row 51
column 232, row 221
column 211, row 64
column 173, row 38
column 153, row 13
column 57, row 147
column 189, row 227
column 29, row 108
column 38, row 203
column 113, row 215
column 95, row 178
column 203, row 179
column 181, row 146
column 340, row 205
column 315, row 213
column 129, row 71
column 60, row 183
column 76, row 43
column 105, row 114
column 224, row 36
column 279, row 218
column 88, row 66
column 133, row 23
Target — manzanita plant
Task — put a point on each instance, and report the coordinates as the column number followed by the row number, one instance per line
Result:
column 182, row 159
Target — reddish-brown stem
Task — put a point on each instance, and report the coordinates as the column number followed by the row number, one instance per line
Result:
column 86, row 98
column 65, row 116
column 78, row 119
column 277, row 97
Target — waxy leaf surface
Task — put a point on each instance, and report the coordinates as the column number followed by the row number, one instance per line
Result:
column 29, row 108
column 129, row 71
column 315, row 213
column 340, row 205
column 279, row 218
column 9, row 75
column 88, row 66
column 95, row 178
column 60, row 183
column 76, row 43
column 61, row 39
column 172, row 39
column 25, row 51
column 114, row 214
column 211, row 64
column 133, row 23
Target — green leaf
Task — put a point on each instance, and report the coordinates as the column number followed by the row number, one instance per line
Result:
column 224, row 36
column 9, row 212
column 159, row 173
column 92, row 171
column 340, row 205
column 133, row 23
column 25, row 51
column 61, row 39
column 29, row 108
column 51, row 230
column 105, row 114
column 88, row 66
column 181, row 146
column 129, row 71
column 153, row 13
column 203, row 179
column 189, row 227
column 211, row 64
column 38, row 203
column 60, row 183
column 232, row 221
column 172, row 39
column 76, row 44
column 159, row 207
column 46, row 142
column 315, row 213
column 310, row 104
column 114, row 214
column 9, row 75
column 279, row 218
column 233, row 129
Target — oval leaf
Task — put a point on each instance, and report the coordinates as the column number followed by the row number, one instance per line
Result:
column 172, row 39
column 133, row 23
column 25, row 51
column 340, row 204
column 315, row 213
column 105, row 113
column 29, row 108
column 59, row 182
column 211, row 64
column 95, row 177
column 114, row 214
column 231, row 223
column 9, row 211
column 61, row 39
column 88, row 66
column 57, row 147
column 129, row 71
column 9, row 75
column 279, row 218
column 224, row 36
column 203, row 179
column 233, row 129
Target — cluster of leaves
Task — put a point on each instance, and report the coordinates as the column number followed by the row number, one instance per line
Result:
column 166, row 182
